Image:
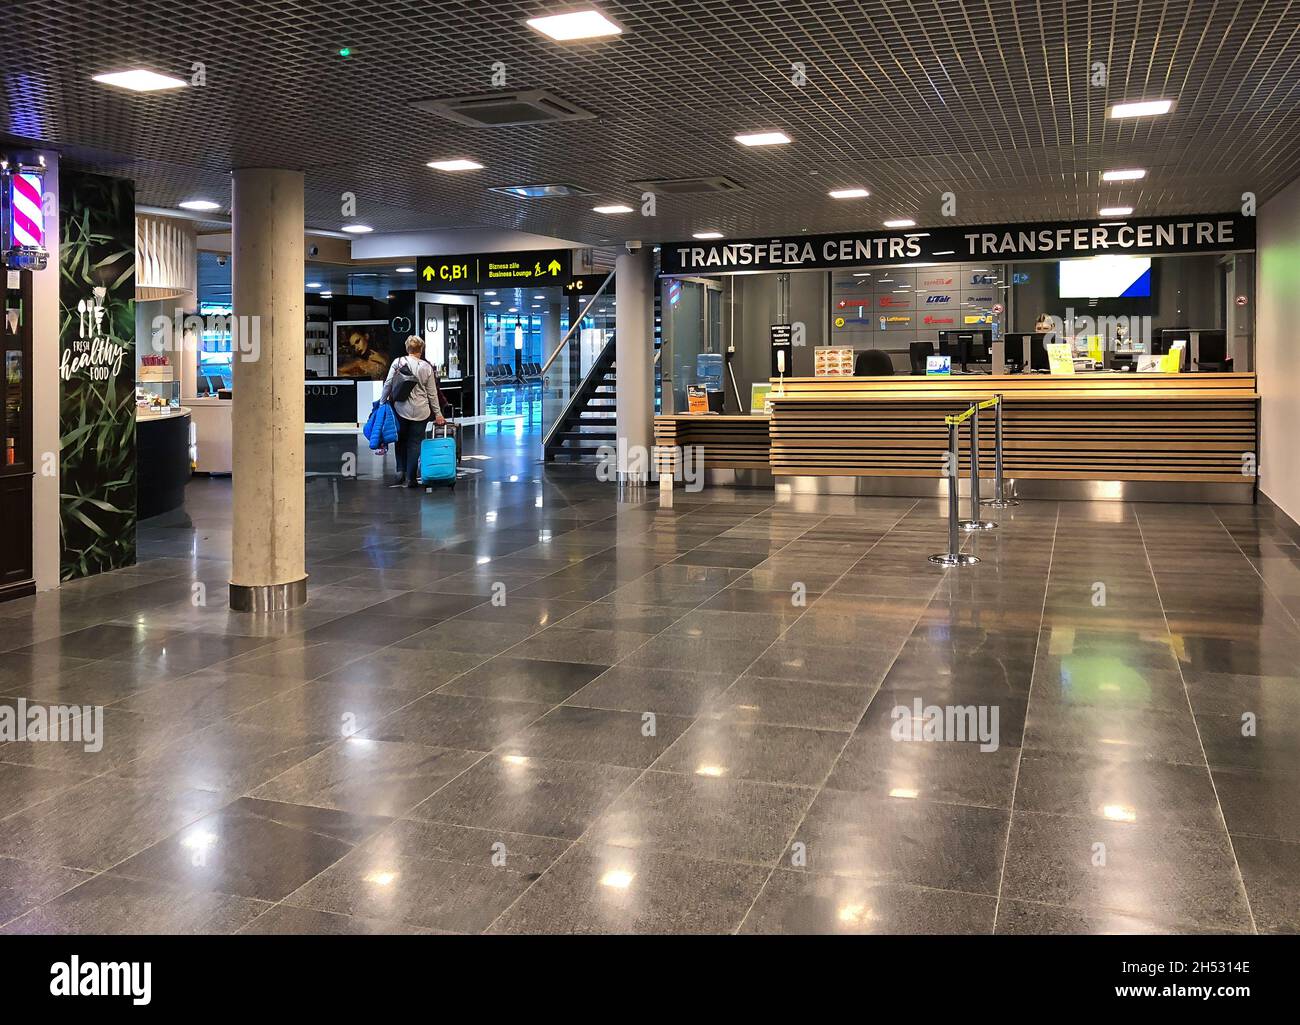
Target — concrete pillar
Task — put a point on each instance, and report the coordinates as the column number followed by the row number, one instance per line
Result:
column 634, row 353
column 268, row 550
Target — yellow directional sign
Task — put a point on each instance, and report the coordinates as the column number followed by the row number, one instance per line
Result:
column 482, row 270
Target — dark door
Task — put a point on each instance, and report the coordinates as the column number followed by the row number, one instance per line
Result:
column 16, row 435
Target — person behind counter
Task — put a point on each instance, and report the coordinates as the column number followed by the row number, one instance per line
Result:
column 412, row 388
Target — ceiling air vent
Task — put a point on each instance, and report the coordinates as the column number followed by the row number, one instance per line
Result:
column 688, row 186
column 549, row 191
column 497, row 110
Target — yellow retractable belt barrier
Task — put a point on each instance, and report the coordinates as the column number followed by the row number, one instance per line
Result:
column 961, row 418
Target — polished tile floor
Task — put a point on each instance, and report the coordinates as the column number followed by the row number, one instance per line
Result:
column 538, row 705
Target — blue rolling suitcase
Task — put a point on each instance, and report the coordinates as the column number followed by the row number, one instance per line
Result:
column 438, row 458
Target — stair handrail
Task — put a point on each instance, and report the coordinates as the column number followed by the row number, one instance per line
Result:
column 575, row 325
column 599, row 365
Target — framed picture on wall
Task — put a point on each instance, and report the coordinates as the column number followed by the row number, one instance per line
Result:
column 361, row 349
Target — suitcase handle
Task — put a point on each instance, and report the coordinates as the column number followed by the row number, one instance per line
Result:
column 432, row 430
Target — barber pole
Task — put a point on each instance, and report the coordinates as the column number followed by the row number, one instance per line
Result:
column 23, row 221
column 29, row 219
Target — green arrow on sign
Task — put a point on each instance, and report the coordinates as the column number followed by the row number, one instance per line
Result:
column 428, row 273
column 553, row 267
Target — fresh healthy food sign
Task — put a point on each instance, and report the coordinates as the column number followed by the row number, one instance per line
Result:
column 1149, row 236
column 97, row 450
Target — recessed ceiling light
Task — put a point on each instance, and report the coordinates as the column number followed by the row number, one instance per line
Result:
column 1142, row 108
column 405, row 270
column 612, row 209
column 901, row 223
column 849, row 193
column 495, row 302
column 1129, row 175
column 459, row 164
column 489, row 293
column 357, row 229
column 539, row 297
column 707, row 234
column 313, row 284
column 138, row 80
column 327, row 295
column 564, row 28
column 199, row 204
column 763, row 139
column 1114, row 211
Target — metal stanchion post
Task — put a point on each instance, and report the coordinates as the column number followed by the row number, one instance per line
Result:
column 975, row 523
column 1000, row 500
column 953, row 557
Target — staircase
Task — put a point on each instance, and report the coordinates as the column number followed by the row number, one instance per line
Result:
column 589, row 421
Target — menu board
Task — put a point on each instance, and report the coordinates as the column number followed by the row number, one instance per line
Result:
column 832, row 361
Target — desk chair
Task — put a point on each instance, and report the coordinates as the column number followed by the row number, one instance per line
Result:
column 873, row 363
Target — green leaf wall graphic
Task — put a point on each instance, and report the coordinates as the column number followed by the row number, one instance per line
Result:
column 97, row 367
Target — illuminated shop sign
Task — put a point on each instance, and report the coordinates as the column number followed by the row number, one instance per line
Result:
column 1148, row 236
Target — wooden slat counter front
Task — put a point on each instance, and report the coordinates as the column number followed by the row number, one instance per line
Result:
column 727, row 442
column 1176, row 428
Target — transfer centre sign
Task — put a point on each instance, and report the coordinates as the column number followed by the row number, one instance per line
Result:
column 1141, row 236
column 536, row 267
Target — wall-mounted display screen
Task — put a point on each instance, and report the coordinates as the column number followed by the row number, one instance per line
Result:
column 1106, row 277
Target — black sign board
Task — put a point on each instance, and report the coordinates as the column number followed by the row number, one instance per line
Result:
column 580, row 286
column 782, row 338
column 486, row 270
column 331, row 402
column 1140, row 236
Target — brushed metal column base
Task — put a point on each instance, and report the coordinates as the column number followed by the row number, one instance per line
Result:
column 954, row 559
column 268, row 597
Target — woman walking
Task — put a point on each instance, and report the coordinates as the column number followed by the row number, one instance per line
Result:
column 412, row 388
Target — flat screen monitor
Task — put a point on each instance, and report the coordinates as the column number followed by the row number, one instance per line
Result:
column 1211, row 346
column 1038, row 351
column 1013, row 350
column 1106, row 277
column 979, row 346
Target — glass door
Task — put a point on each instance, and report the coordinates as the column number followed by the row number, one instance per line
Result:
column 692, row 325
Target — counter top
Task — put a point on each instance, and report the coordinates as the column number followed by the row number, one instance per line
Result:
column 145, row 415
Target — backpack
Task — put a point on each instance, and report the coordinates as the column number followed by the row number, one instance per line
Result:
column 404, row 383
